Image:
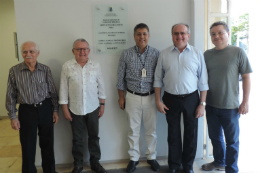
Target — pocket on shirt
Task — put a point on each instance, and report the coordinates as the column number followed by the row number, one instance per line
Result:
column 93, row 76
column 72, row 76
column 43, row 89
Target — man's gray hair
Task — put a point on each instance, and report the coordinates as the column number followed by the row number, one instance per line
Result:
column 37, row 48
column 80, row 40
column 188, row 27
column 220, row 23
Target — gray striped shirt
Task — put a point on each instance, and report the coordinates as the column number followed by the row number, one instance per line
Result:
column 26, row 87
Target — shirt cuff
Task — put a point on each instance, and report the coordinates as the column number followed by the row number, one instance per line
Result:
column 102, row 97
column 157, row 84
column 203, row 87
column 63, row 102
column 13, row 116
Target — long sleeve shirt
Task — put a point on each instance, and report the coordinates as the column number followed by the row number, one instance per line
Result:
column 26, row 87
column 181, row 73
column 81, row 87
column 131, row 63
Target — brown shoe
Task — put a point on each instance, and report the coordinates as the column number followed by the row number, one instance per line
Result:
column 77, row 169
column 98, row 168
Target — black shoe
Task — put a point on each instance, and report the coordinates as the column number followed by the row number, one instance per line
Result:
column 131, row 166
column 77, row 169
column 172, row 170
column 188, row 171
column 154, row 165
column 98, row 168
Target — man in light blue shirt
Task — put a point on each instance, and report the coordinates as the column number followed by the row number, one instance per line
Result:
column 182, row 72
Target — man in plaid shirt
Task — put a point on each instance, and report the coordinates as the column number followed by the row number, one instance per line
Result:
column 136, row 75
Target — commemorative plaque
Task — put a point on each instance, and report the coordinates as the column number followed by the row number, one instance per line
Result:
column 110, row 27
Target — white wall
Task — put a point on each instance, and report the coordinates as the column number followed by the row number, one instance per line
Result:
column 55, row 24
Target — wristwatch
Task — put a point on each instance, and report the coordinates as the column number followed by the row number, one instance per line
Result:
column 102, row 104
column 203, row 103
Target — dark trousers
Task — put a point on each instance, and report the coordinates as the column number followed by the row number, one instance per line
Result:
column 32, row 118
column 78, row 125
column 177, row 105
column 225, row 152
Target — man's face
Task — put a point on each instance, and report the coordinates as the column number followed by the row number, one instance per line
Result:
column 180, row 36
column 81, row 51
column 30, row 53
column 141, row 37
column 219, row 36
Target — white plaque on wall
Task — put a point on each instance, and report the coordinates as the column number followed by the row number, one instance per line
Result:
column 110, row 27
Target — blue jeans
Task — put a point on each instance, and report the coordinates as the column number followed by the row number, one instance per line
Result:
column 226, row 120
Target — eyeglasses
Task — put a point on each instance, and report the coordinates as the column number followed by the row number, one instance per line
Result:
column 179, row 33
column 82, row 49
column 219, row 33
column 30, row 51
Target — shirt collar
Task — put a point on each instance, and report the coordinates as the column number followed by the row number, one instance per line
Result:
column 187, row 47
column 138, row 50
column 25, row 67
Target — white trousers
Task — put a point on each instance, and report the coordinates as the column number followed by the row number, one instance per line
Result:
column 138, row 108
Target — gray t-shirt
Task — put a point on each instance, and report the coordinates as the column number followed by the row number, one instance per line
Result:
column 224, row 67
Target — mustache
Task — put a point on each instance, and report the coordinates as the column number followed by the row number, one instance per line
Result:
column 28, row 57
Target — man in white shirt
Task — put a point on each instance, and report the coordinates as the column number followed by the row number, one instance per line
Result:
column 82, row 96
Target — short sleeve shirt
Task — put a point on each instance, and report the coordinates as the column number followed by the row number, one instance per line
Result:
column 224, row 67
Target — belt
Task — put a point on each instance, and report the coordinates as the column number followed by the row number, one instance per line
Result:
column 34, row 105
column 140, row 94
column 184, row 95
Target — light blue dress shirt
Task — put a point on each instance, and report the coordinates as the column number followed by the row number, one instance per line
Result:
column 181, row 73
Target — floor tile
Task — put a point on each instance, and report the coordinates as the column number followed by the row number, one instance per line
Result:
column 5, row 140
column 15, row 141
column 7, row 162
column 4, row 123
column 8, row 131
column 11, row 151
column 16, row 167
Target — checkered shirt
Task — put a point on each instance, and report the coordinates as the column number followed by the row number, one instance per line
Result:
column 129, row 73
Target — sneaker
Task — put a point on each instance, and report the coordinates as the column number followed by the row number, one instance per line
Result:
column 211, row 166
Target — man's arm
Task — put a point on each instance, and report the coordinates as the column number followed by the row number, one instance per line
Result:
column 66, row 112
column 160, row 106
column 64, row 93
column 201, row 109
column 246, row 83
column 54, row 96
column 121, row 100
column 121, row 72
column 10, row 102
column 102, row 108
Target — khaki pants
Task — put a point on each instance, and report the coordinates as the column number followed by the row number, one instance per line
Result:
column 138, row 108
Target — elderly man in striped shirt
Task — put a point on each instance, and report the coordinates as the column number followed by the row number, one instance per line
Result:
column 31, row 85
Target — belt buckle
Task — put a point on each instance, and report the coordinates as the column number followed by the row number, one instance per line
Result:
column 36, row 105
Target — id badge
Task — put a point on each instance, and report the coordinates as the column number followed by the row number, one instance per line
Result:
column 143, row 73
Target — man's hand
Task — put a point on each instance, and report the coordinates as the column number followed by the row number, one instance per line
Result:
column 101, row 111
column 15, row 123
column 243, row 108
column 200, row 111
column 66, row 112
column 67, row 115
column 161, row 107
column 121, row 102
column 55, row 117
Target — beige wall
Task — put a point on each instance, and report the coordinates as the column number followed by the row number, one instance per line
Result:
column 7, row 49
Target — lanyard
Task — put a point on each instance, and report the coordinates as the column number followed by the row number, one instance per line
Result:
column 139, row 55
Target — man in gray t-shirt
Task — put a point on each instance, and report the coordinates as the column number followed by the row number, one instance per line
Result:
column 224, row 64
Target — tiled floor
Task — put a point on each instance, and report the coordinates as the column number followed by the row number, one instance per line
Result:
column 11, row 161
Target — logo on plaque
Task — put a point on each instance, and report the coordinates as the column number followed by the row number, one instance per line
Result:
column 110, row 9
